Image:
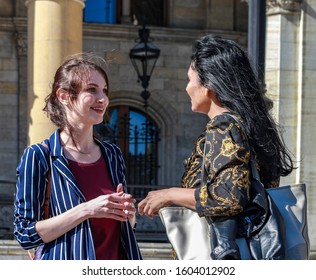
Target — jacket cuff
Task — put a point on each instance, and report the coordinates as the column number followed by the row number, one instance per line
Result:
column 198, row 206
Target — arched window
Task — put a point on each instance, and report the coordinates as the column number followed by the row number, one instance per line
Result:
column 137, row 136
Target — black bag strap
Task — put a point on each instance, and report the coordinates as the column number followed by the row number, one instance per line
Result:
column 203, row 169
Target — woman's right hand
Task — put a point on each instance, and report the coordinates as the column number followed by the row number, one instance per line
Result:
column 118, row 206
column 155, row 200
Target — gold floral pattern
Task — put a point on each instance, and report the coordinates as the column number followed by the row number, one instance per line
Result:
column 227, row 165
column 228, row 148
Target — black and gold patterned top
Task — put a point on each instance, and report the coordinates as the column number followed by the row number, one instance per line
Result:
column 227, row 167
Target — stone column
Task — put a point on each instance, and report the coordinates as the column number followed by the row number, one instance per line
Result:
column 283, row 58
column 54, row 31
column 126, row 12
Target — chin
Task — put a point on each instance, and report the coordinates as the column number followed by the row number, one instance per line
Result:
column 195, row 110
column 97, row 121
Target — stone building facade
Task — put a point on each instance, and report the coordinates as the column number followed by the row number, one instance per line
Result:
column 289, row 72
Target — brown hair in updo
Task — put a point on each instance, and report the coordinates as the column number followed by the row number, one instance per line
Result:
column 71, row 76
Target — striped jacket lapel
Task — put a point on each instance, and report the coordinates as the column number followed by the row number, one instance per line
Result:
column 112, row 162
column 60, row 165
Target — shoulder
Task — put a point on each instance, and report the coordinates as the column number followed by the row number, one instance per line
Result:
column 35, row 153
column 226, row 125
column 38, row 150
column 224, row 122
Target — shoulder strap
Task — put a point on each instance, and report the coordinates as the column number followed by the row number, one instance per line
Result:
column 203, row 171
column 48, row 190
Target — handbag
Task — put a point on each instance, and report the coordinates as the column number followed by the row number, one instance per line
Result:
column 189, row 234
column 190, row 237
column 281, row 232
column 291, row 201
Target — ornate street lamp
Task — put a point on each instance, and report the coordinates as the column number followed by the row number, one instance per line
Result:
column 144, row 56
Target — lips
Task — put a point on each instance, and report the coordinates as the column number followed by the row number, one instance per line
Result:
column 98, row 109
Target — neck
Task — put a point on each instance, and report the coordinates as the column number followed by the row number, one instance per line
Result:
column 82, row 151
column 82, row 143
column 216, row 111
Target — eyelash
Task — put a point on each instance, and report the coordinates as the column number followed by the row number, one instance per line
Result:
column 93, row 90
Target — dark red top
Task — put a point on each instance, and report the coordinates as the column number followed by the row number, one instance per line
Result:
column 94, row 180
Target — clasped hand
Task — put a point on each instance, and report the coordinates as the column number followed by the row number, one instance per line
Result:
column 118, row 206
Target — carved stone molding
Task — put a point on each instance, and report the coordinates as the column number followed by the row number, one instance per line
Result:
column 283, row 6
column 21, row 44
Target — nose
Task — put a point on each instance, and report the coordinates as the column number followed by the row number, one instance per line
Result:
column 102, row 96
column 186, row 88
column 103, row 99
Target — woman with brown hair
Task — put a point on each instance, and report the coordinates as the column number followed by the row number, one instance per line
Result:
column 90, row 215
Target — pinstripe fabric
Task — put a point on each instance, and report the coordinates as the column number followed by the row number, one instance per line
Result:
column 77, row 244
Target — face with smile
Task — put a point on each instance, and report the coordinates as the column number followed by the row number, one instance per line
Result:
column 91, row 102
column 200, row 101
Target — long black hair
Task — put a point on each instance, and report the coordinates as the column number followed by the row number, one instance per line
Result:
column 223, row 67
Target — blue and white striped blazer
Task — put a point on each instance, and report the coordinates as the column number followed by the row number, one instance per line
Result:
column 32, row 171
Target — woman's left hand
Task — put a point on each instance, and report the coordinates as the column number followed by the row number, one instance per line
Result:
column 154, row 201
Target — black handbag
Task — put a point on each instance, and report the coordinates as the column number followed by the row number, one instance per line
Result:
column 261, row 223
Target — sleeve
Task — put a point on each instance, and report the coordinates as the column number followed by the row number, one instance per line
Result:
column 30, row 195
column 226, row 191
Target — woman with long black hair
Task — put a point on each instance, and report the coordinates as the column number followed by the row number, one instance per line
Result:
column 223, row 85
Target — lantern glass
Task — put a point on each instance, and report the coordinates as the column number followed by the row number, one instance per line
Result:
column 144, row 56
